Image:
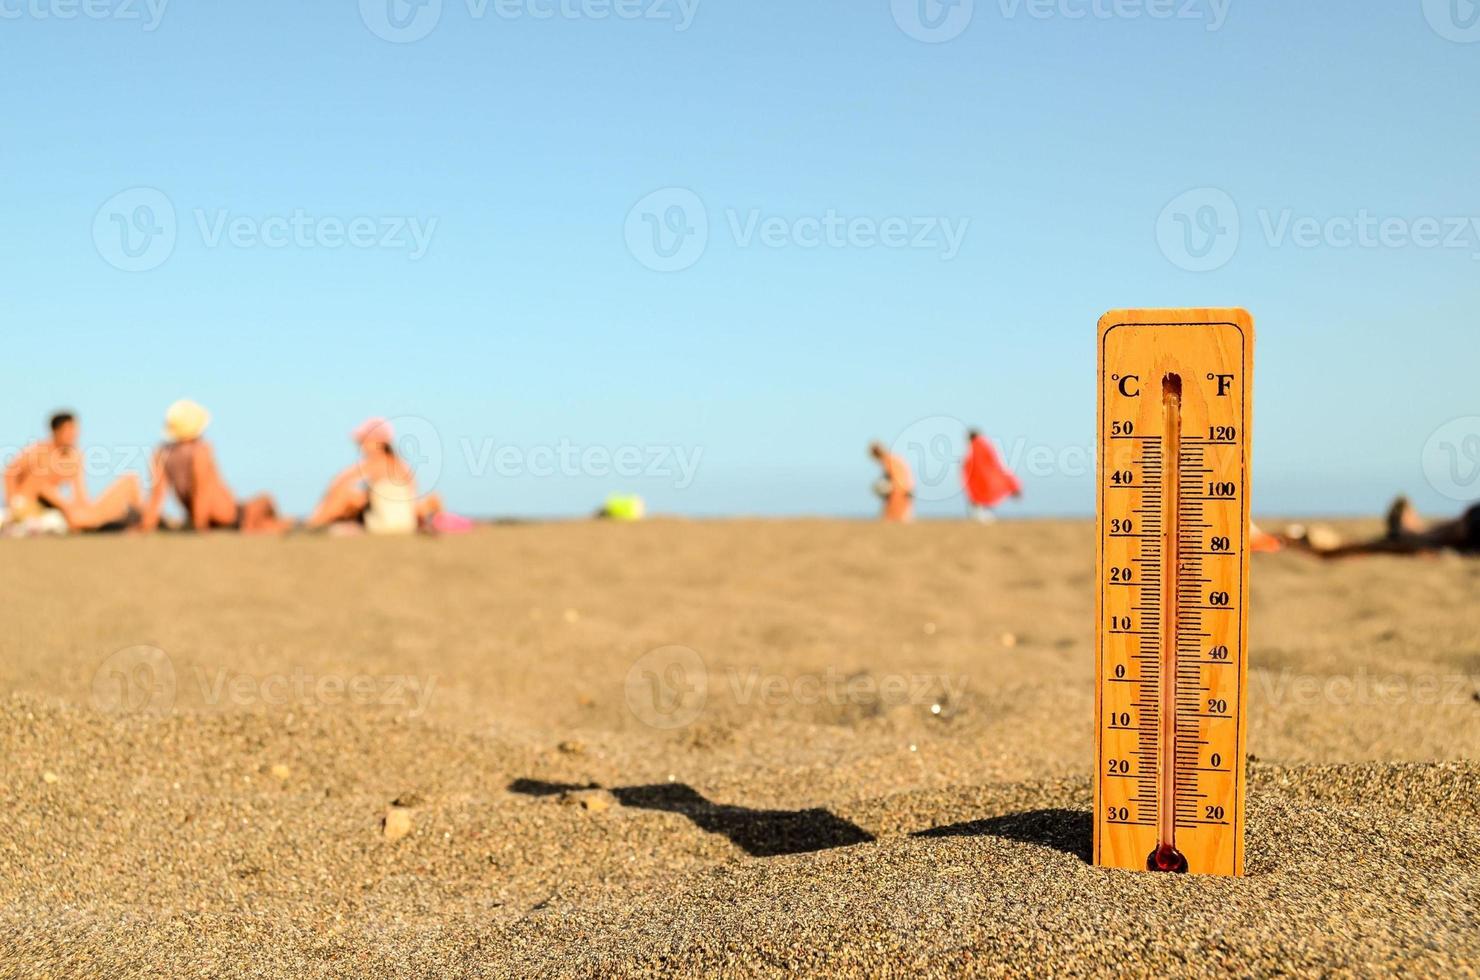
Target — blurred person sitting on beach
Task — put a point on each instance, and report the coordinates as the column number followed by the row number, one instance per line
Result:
column 987, row 481
column 186, row 465
column 1407, row 534
column 36, row 478
column 896, row 488
column 378, row 491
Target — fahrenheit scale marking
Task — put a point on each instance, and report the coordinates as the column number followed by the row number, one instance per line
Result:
column 1173, row 564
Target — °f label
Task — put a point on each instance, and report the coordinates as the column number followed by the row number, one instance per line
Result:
column 1173, row 564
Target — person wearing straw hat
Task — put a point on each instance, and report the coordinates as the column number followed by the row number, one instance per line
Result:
column 48, row 477
column 186, row 464
column 379, row 491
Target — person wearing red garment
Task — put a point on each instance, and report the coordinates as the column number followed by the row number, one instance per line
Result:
column 987, row 481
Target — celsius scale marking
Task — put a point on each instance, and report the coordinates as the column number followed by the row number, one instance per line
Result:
column 1173, row 572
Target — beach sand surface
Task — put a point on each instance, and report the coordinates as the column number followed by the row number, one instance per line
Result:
column 707, row 748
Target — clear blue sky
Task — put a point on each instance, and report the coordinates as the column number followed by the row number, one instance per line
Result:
column 531, row 320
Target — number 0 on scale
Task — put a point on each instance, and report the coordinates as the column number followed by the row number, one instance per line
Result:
column 1173, row 560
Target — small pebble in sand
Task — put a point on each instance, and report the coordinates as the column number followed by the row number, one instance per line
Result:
column 396, row 823
column 572, row 747
column 935, row 709
column 591, row 800
column 280, row 772
column 1009, row 640
column 49, row 777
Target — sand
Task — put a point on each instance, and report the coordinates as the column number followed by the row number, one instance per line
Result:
column 718, row 748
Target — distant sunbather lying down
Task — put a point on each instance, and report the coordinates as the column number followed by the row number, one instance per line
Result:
column 1407, row 534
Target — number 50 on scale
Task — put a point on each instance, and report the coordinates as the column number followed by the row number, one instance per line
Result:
column 1172, row 604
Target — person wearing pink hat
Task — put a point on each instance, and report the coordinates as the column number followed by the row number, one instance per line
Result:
column 379, row 490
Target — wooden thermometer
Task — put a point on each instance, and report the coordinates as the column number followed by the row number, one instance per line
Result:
column 1173, row 560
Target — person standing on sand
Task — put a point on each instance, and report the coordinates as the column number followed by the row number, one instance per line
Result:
column 379, row 490
column 897, row 488
column 35, row 479
column 186, row 464
column 987, row 481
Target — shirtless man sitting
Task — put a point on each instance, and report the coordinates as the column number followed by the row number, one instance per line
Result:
column 187, row 465
column 36, row 479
